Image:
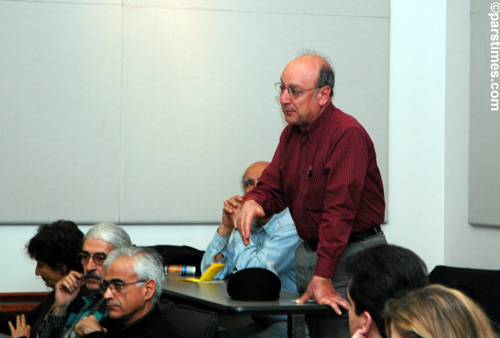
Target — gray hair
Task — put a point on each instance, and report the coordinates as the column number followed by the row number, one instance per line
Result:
column 147, row 264
column 326, row 78
column 326, row 73
column 111, row 233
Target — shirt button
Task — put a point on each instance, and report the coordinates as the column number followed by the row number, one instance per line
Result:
column 302, row 172
column 304, row 149
column 301, row 196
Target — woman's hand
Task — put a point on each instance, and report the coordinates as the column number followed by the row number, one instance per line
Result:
column 21, row 329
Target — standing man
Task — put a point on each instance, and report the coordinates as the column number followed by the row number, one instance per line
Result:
column 325, row 171
column 78, row 295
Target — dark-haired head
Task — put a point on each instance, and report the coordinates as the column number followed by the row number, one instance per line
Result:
column 380, row 273
column 57, row 245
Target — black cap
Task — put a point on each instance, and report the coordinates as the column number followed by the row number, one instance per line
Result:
column 254, row 284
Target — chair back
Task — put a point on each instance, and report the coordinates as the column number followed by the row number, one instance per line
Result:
column 481, row 285
column 190, row 322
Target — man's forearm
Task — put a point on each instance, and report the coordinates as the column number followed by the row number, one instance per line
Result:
column 224, row 231
column 51, row 326
column 59, row 310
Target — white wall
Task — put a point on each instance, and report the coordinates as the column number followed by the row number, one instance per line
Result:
column 429, row 136
column 416, row 128
column 465, row 245
column 130, row 99
column 428, row 156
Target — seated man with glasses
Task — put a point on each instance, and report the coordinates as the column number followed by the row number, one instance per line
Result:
column 78, row 295
column 132, row 286
column 274, row 240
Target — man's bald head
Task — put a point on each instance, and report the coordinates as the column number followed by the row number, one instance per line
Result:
column 318, row 68
column 252, row 175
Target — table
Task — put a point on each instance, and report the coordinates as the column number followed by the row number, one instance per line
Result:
column 213, row 296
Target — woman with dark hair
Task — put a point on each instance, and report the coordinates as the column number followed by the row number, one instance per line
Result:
column 55, row 249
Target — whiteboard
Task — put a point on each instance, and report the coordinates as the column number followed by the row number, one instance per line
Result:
column 148, row 112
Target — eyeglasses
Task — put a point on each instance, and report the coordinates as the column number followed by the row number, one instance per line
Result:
column 98, row 257
column 293, row 92
column 115, row 286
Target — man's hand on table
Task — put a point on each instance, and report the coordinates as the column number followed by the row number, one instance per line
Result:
column 322, row 291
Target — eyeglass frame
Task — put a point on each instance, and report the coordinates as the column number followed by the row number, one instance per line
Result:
column 87, row 257
column 112, row 286
column 280, row 89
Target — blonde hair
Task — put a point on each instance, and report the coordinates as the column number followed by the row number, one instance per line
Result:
column 436, row 311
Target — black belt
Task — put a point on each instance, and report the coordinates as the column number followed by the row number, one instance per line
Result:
column 354, row 237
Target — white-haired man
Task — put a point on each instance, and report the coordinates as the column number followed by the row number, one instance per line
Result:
column 132, row 286
column 78, row 295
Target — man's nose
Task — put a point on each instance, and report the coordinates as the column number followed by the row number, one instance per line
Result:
column 90, row 266
column 37, row 271
column 108, row 294
column 284, row 97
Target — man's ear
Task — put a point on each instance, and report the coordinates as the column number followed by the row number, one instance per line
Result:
column 324, row 95
column 149, row 289
column 366, row 322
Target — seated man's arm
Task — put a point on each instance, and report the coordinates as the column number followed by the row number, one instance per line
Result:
column 66, row 291
column 218, row 249
column 51, row 326
column 218, row 246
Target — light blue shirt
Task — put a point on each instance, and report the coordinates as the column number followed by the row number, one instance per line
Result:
column 275, row 242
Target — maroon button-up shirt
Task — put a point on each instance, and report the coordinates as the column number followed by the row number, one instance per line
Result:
column 327, row 175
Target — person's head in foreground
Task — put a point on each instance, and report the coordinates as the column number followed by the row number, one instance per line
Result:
column 376, row 275
column 98, row 244
column 436, row 312
column 132, row 283
column 55, row 248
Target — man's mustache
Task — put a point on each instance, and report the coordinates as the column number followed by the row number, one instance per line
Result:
column 92, row 274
